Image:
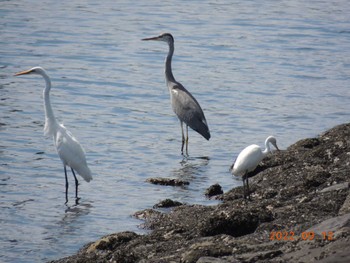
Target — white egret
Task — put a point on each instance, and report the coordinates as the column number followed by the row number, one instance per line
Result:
column 248, row 159
column 183, row 103
column 68, row 148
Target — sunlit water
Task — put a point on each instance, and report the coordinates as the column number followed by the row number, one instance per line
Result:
column 256, row 67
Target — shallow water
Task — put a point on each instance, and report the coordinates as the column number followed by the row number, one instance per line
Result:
column 256, row 69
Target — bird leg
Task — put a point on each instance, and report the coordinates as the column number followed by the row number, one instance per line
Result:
column 246, row 186
column 187, row 140
column 244, row 193
column 76, row 185
column 248, row 191
column 183, row 138
column 65, row 173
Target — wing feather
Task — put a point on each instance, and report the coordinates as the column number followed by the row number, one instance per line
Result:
column 188, row 110
column 71, row 152
column 247, row 160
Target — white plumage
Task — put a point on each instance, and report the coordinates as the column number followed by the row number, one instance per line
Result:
column 68, row 148
column 71, row 152
column 248, row 159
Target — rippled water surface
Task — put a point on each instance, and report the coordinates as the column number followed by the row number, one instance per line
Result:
column 256, row 67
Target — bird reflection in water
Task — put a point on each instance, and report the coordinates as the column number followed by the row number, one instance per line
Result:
column 191, row 168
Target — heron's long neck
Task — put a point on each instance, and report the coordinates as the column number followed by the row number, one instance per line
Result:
column 168, row 72
column 50, row 120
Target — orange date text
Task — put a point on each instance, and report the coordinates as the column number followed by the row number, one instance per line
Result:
column 290, row 235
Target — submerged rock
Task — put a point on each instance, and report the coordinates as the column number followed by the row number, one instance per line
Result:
column 167, row 203
column 214, row 190
column 167, row 181
column 299, row 212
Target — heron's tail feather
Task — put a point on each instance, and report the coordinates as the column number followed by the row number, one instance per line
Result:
column 205, row 134
column 203, row 129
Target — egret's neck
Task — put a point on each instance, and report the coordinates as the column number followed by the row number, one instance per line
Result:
column 267, row 148
column 168, row 72
column 50, row 120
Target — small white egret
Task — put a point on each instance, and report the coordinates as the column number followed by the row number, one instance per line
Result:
column 248, row 159
column 68, row 148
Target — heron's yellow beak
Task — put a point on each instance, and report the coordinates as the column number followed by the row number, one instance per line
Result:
column 23, row 72
column 151, row 38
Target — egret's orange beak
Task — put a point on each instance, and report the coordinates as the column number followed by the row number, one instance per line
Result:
column 23, row 72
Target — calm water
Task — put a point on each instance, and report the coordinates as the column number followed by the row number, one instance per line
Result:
column 257, row 69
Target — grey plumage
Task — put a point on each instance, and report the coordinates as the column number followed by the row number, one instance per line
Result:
column 183, row 103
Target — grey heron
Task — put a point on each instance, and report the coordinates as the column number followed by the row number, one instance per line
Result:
column 183, row 103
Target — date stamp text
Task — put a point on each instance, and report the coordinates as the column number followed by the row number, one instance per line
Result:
column 291, row 236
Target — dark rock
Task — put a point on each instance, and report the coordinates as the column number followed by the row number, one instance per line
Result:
column 316, row 176
column 308, row 143
column 205, row 247
column 213, row 190
column 296, row 191
column 217, row 260
column 338, row 257
column 345, row 207
column 167, row 203
column 111, row 242
column 234, row 222
column 167, row 181
column 332, row 227
column 335, row 187
column 261, row 256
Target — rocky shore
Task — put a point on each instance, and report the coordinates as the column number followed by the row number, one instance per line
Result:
column 299, row 212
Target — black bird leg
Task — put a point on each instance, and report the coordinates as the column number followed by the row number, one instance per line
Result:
column 65, row 173
column 187, row 140
column 76, row 185
column 246, row 186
